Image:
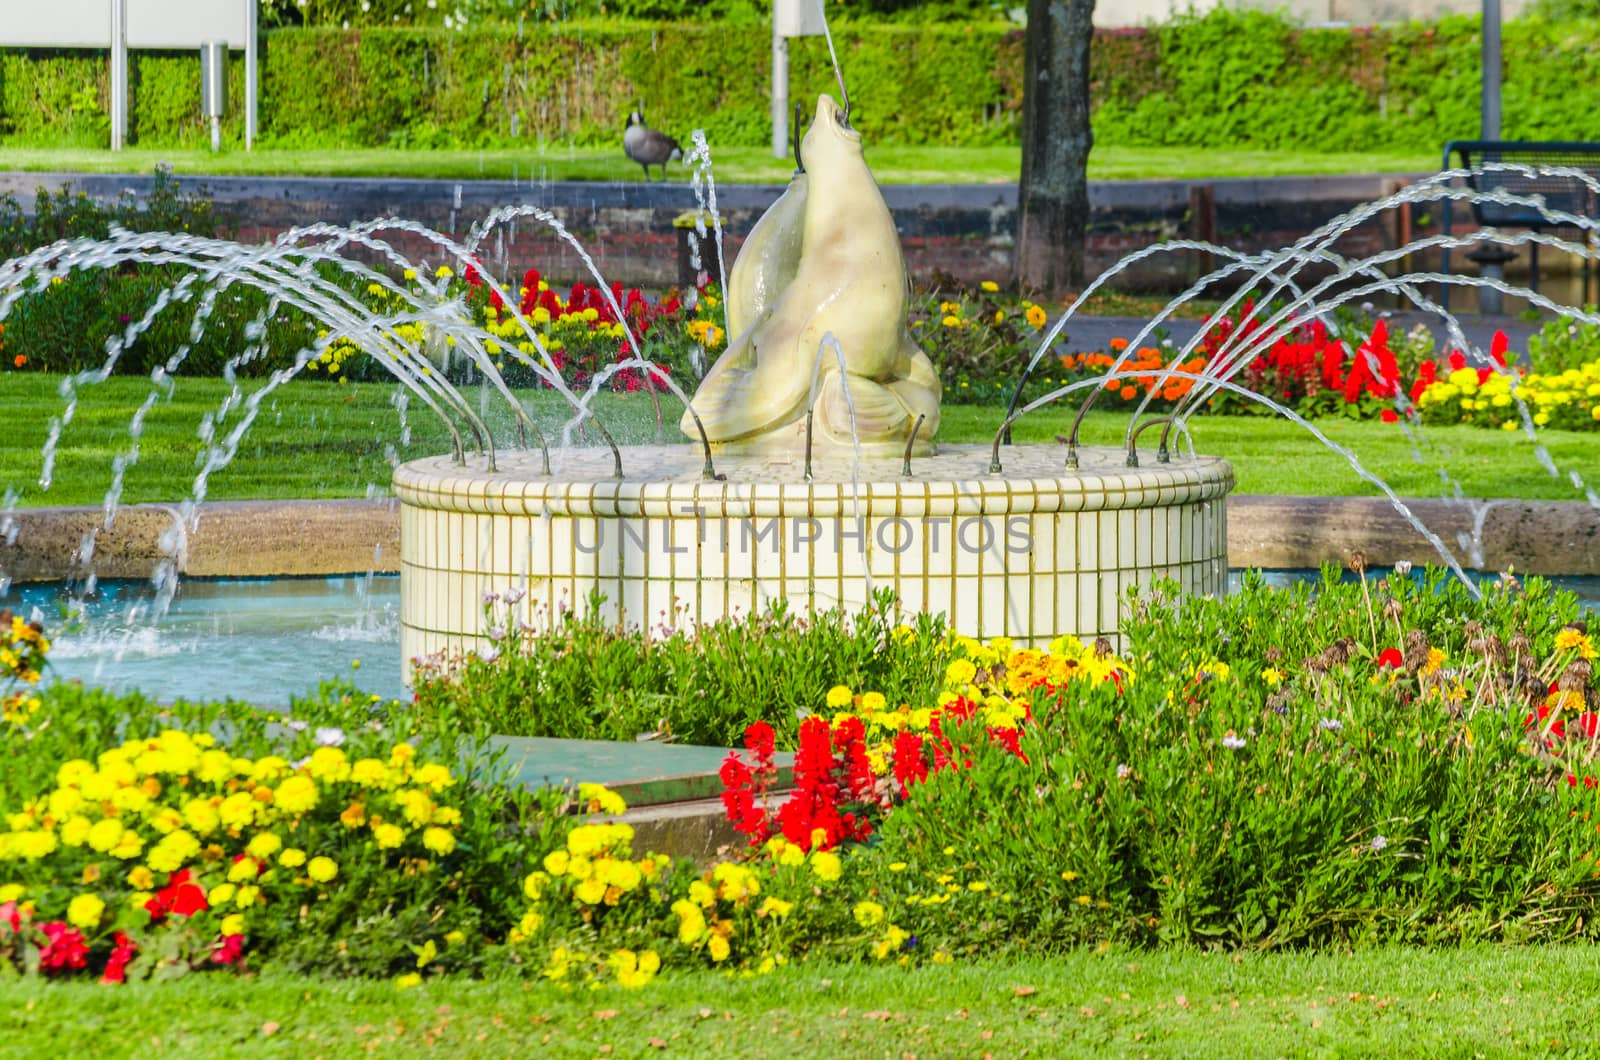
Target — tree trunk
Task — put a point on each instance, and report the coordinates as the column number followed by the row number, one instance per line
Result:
column 1053, row 200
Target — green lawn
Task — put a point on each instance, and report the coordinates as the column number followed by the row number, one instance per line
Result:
column 1398, row 1002
column 314, row 439
column 891, row 163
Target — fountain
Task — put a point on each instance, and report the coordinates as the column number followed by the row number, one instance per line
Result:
column 817, row 480
column 814, row 473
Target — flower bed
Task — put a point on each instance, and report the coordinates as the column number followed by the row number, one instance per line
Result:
column 1380, row 760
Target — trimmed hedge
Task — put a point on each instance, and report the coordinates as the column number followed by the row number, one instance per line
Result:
column 1227, row 79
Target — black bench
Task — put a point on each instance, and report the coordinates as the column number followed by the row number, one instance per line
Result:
column 1562, row 193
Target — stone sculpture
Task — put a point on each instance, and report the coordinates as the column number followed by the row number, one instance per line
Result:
column 823, row 260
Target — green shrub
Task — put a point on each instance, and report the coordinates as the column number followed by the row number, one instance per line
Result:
column 589, row 678
column 1272, row 775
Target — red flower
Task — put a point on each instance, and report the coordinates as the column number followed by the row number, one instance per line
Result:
column 1458, row 360
column 1554, row 732
column 1389, row 416
column 10, row 914
column 1497, row 348
column 122, row 952
column 229, row 949
column 760, row 738
column 910, row 762
column 1390, row 658
column 65, row 949
column 180, row 897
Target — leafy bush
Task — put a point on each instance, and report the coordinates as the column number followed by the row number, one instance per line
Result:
column 1371, row 762
column 588, row 678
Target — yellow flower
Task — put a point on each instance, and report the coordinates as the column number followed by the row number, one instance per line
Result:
column 826, row 865
column 221, row 894
column 105, row 834
column 601, row 799
column 264, row 846
column 370, row 773
column 839, row 696
column 438, row 840
column 427, row 953
column 296, row 795
column 11, row 892
column 960, row 673
column 242, row 870
column 977, row 885
column 718, row 948
column 776, row 907
column 868, row 914
column 990, row 286
column 1035, row 316
column 533, row 886
column 328, row 763
column 434, row 776
column 388, row 836
column 84, row 911
column 76, row 831
column 323, row 870
column 1069, row 875
column 174, row 849
column 233, row 924
column 443, row 272
column 590, row 891
column 410, row 979
column 1083, row 899
column 691, row 921
column 292, row 858
column 555, row 862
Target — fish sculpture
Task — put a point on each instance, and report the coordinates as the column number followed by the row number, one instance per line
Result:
column 823, row 262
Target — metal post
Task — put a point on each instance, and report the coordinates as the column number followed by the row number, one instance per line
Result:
column 780, row 93
column 252, row 83
column 1491, row 70
column 119, row 74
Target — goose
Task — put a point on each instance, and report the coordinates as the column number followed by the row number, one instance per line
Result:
column 649, row 147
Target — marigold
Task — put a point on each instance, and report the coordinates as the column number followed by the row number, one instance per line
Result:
column 322, row 869
column 85, row 911
column 296, row 795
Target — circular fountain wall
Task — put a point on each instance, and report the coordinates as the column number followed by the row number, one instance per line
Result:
column 1029, row 554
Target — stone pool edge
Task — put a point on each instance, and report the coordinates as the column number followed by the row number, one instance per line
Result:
column 248, row 539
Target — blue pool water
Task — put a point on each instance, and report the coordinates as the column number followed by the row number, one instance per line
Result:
column 263, row 640
column 267, row 640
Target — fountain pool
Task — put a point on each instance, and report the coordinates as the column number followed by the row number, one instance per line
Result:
column 263, row 640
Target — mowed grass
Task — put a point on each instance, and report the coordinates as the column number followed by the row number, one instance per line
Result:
column 315, row 439
column 891, row 163
column 1397, row 1002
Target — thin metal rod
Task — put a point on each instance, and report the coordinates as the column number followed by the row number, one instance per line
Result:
column 810, row 419
column 905, row 466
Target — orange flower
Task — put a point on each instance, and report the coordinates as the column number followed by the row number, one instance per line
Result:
column 1129, row 393
column 1119, row 344
column 20, row 359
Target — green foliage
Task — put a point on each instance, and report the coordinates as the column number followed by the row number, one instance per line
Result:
column 590, row 678
column 502, row 84
column 69, row 215
column 1262, row 782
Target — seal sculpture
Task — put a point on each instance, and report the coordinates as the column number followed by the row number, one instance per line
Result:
column 824, row 260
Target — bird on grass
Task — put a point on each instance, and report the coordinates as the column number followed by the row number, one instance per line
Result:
column 649, row 147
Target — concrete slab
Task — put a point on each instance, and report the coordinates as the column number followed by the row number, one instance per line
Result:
column 644, row 773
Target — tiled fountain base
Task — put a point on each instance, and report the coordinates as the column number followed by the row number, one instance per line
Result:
column 1030, row 553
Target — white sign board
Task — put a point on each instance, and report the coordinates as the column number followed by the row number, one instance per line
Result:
column 184, row 24
column 55, row 24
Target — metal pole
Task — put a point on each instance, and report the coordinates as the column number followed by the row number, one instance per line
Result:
column 1491, row 70
column 119, row 74
column 252, row 53
column 780, row 93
